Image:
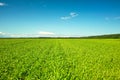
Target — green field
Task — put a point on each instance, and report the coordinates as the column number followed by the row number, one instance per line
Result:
column 59, row 59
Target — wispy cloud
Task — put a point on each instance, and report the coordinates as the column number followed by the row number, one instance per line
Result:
column 39, row 34
column 2, row 4
column 65, row 17
column 2, row 33
column 113, row 18
column 71, row 15
column 117, row 18
column 107, row 18
column 46, row 33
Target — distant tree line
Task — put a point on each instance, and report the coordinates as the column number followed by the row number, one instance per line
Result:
column 109, row 36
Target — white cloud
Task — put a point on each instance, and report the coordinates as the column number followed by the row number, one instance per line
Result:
column 71, row 15
column 1, row 33
column 18, row 35
column 46, row 33
column 40, row 34
column 24, row 35
column 2, row 4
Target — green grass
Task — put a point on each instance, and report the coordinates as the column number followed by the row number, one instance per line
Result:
column 59, row 59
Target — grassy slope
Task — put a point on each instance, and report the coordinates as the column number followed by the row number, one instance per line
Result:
column 60, row 59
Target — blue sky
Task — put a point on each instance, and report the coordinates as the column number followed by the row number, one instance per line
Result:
column 59, row 17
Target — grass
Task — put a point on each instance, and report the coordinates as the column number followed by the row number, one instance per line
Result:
column 59, row 59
